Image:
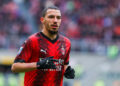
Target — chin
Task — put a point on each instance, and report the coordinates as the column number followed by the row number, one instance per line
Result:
column 53, row 32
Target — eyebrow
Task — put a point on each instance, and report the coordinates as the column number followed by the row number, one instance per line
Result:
column 51, row 16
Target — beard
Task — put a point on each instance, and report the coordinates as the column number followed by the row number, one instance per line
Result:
column 53, row 32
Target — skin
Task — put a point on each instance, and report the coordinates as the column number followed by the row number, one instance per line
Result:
column 51, row 23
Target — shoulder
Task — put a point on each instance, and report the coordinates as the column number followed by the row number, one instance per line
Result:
column 34, row 36
column 65, row 39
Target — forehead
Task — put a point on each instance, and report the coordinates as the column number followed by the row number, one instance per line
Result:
column 53, row 12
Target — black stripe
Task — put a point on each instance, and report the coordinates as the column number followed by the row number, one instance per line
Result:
column 19, row 60
column 53, row 41
column 66, row 63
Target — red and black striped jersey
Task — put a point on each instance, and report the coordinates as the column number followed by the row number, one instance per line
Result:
column 37, row 47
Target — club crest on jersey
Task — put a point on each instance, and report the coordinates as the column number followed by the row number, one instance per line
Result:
column 63, row 50
column 44, row 51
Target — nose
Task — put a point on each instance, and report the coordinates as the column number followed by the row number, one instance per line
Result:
column 55, row 19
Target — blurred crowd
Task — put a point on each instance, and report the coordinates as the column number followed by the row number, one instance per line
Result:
column 91, row 25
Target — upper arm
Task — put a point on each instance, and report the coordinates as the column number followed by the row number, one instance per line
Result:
column 25, row 52
column 67, row 57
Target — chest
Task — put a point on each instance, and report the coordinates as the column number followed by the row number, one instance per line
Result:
column 45, row 49
column 58, row 49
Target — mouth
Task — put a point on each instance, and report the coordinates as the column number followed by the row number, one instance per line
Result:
column 54, row 26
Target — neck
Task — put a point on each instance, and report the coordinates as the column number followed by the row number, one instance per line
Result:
column 51, row 36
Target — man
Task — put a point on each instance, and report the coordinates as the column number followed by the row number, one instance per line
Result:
column 44, row 56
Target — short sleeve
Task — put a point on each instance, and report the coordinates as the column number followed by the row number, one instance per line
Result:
column 67, row 55
column 24, row 52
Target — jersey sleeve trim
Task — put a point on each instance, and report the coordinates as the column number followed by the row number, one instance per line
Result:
column 19, row 60
column 66, row 63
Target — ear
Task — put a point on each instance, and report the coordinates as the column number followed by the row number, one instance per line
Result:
column 42, row 19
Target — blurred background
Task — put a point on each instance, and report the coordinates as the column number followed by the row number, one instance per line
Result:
column 93, row 26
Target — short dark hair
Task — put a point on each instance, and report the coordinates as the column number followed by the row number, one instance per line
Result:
column 50, row 7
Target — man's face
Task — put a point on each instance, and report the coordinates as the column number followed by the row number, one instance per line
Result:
column 52, row 20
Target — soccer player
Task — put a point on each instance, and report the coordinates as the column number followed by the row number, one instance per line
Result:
column 44, row 56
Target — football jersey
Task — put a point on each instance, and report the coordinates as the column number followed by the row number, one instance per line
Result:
column 37, row 47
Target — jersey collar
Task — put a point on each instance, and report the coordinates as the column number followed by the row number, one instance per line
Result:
column 52, row 41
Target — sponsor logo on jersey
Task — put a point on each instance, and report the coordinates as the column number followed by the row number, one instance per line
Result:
column 63, row 50
column 44, row 51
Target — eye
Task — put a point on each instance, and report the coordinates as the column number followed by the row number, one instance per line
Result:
column 50, row 16
column 58, row 17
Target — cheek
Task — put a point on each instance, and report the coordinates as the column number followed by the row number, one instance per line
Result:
column 59, row 22
column 47, row 24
